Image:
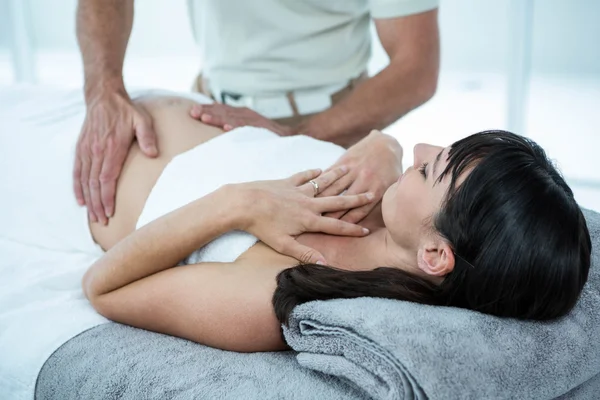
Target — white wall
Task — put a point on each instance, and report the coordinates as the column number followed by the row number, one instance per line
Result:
column 566, row 36
column 4, row 28
column 472, row 94
column 474, row 32
column 160, row 26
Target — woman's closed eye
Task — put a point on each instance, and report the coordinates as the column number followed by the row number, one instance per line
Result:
column 423, row 170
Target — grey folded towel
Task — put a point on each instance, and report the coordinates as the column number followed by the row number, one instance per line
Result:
column 400, row 350
column 113, row 361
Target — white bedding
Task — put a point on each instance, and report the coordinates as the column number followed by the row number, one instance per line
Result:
column 44, row 245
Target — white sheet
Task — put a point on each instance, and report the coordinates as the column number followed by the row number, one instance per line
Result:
column 45, row 245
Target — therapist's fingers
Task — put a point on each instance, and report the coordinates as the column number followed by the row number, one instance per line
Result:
column 227, row 117
column 111, row 170
column 214, row 119
column 77, row 188
column 84, row 178
column 94, row 185
column 145, row 134
column 196, row 111
column 210, row 114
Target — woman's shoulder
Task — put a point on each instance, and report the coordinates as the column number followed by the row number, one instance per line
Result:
column 262, row 255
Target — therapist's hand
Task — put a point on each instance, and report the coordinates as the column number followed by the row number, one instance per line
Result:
column 111, row 124
column 227, row 118
column 374, row 163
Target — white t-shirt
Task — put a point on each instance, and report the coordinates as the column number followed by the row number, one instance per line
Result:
column 256, row 47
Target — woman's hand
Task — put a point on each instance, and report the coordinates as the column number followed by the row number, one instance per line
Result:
column 277, row 211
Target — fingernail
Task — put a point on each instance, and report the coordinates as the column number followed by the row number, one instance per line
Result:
column 370, row 196
column 344, row 168
column 205, row 117
column 365, row 231
column 320, row 262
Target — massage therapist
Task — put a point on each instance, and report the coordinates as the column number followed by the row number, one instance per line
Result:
column 292, row 66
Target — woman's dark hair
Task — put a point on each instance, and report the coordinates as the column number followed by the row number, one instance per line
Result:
column 521, row 242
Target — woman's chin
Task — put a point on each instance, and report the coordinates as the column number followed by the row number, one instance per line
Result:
column 388, row 197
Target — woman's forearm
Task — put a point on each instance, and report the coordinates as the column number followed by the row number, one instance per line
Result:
column 162, row 243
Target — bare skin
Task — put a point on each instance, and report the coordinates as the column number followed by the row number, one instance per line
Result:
column 113, row 121
column 119, row 283
column 176, row 133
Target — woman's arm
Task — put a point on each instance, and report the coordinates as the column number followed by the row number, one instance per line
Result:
column 217, row 304
column 225, row 305
column 160, row 244
column 222, row 305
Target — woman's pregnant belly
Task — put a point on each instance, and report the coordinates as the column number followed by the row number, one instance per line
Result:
column 176, row 133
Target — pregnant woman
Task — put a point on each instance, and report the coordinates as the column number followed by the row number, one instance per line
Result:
column 486, row 224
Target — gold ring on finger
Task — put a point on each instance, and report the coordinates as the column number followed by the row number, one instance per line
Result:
column 315, row 187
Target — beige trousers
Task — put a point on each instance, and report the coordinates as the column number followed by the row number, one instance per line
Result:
column 200, row 86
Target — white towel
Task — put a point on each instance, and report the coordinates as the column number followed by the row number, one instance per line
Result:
column 241, row 155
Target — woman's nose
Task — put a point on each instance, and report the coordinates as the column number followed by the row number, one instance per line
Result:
column 419, row 153
column 423, row 152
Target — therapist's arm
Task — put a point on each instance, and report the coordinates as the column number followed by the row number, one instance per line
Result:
column 112, row 120
column 103, row 29
column 410, row 79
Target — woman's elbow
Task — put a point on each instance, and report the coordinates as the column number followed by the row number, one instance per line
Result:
column 96, row 298
column 87, row 285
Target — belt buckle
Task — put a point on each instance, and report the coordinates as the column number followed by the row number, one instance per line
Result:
column 234, row 99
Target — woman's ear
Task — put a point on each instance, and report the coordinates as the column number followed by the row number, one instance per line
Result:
column 435, row 258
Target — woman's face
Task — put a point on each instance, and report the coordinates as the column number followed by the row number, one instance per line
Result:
column 408, row 206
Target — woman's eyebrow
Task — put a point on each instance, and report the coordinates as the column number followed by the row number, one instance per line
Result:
column 437, row 160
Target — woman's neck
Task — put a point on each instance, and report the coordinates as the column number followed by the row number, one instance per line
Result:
column 365, row 253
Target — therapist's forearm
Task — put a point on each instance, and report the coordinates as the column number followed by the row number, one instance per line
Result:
column 103, row 30
column 374, row 104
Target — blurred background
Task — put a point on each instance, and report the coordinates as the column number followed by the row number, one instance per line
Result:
column 529, row 66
